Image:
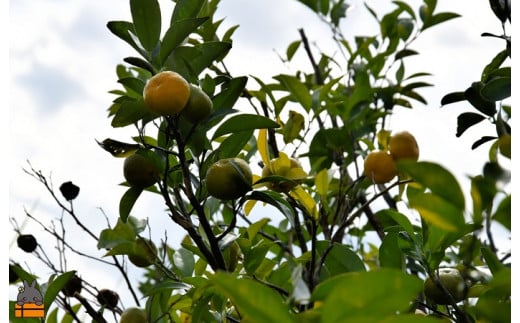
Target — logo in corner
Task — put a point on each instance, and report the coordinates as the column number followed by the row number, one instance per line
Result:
column 29, row 302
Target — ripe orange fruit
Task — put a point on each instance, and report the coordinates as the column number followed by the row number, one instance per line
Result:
column 229, row 178
column 286, row 167
column 452, row 280
column 380, row 167
column 403, row 145
column 139, row 171
column 166, row 93
column 199, row 105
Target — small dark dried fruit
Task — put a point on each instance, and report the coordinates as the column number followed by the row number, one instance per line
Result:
column 107, row 298
column 69, row 191
column 27, row 242
column 73, row 285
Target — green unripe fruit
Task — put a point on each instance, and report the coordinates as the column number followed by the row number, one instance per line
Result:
column 144, row 253
column 140, row 171
column 454, row 283
column 199, row 105
column 133, row 315
column 229, row 178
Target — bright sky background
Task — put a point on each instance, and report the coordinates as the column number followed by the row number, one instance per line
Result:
column 62, row 62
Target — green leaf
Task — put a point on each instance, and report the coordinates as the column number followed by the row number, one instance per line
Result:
column 338, row 11
column 492, row 260
column 139, row 62
column 390, row 254
column 55, row 286
column 338, row 260
column 52, row 317
column 497, row 89
column 177, row 33
column 474, row 96
column 292, row 48
column 438, row 18
column 230, row 93
column 297, row 89
column 275, row 199
column 438, row 212
column 121, row 233
column 495, row 64
column 346, row 297
column 244, row 122
column 232, row 145
column 253, row 229
column 466, row 120
column 185, row 9
column 255, row 301
column 453, row 97
column 503, row 213
column 129, row 112
column 184, row 261
column 437, row 178
column 146, row 17
column 133, row 83
column 405, row 53
column 124, row 30
column 127, row 202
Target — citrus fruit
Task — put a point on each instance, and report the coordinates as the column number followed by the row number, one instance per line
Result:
column 452, row 280
column 166, row 93
column 199, row 105
column 403, row 145
column 228, row 179
column 379, row 167
column 133, row 315
column 504, row 145
column 27, row 242
column 287, row 167
column 143, row 253
column 140, row 171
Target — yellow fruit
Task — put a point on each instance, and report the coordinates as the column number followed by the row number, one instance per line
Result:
column 403, row 145
column 133, row 315
column 380, row 167
column 144, row 253
column 140, row 171
column 452, row 280
column 286, row 167
column 229, row 178
column 166, row 93
column 199, row 105
column 504, row 145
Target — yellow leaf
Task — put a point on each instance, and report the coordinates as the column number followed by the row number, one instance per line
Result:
column 382, row 139
column 306, row 200
column 322, row 182
column 249, row 206
column 263, row 148
column 293, row 126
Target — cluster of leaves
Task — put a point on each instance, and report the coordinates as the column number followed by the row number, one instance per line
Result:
column 336, row 255
column 487, row 94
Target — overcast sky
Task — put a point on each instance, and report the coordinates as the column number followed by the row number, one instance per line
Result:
column 62, row 62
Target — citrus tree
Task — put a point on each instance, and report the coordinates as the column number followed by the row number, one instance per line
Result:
column 358, row 229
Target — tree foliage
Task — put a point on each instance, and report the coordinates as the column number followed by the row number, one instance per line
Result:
column 345, row 249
